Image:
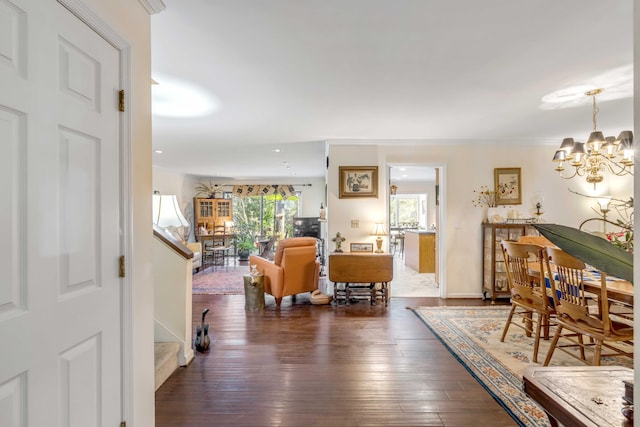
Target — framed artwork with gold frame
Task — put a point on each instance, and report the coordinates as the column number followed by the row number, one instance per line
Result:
column 508, row 186
column 358, row 181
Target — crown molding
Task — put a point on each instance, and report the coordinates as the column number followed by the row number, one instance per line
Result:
column 153, row 6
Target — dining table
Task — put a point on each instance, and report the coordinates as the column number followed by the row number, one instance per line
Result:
column 618, row 290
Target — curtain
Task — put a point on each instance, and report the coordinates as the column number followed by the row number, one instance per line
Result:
column 263, row 190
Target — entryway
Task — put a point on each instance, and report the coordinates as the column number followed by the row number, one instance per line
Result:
column 409, row 283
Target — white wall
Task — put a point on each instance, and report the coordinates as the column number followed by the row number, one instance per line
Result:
column 169, row 182
column 467, row 166
column 366, row 211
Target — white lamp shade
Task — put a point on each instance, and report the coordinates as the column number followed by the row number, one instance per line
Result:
column 166, row 212
column 378, row 230
column 604, row 203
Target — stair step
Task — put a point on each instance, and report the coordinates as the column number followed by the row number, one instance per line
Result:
column 166, row 361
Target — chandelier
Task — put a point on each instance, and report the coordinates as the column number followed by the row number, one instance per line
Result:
column 598, row 155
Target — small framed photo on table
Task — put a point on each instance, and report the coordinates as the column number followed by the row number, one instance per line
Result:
column 358, row 181
column 508, row 186
column 361, row 247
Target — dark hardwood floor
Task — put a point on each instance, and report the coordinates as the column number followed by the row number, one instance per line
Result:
column 305, row 365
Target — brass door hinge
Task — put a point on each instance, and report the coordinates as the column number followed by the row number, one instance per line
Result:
column 123, row 424
column 122, row 266
column 121, row 100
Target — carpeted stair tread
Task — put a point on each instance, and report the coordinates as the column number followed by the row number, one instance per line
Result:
column 166, row 361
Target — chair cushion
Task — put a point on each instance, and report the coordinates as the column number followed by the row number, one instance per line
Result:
column 196, row 248
column 197, row 260
column 290, row 243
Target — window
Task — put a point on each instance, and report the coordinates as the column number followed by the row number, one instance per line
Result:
column 266, row 215
column 408, row 210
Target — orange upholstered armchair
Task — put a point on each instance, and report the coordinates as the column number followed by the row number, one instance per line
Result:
column 294, row 269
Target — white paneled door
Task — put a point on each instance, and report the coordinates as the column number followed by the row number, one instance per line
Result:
column 60, row 321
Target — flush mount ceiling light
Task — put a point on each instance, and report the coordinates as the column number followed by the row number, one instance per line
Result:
column 618, row 81
column 598, row 155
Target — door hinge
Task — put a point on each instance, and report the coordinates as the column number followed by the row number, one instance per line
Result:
column 123, row 424
column 121, row 100
column 122, row 266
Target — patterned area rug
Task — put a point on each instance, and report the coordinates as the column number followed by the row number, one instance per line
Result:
column 472, row 335
column 222, row 280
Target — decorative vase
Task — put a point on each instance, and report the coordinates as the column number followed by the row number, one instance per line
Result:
column 491, row 213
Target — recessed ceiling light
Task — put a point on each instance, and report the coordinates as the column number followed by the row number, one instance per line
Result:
column 158, row 151
column 277, row 150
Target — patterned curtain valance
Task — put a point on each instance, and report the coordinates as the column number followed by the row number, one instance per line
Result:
column 263, row 190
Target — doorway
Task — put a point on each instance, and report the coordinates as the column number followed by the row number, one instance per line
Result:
column 414, row 213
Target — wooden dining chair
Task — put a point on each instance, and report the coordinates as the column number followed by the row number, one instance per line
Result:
column 577, row 316
column 530, row 304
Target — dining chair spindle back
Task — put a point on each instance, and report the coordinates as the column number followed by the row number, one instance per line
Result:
column 528, row 293
column 580, row 313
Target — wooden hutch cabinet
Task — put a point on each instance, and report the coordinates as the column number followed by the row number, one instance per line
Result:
column 211, row 212
column 494, row 276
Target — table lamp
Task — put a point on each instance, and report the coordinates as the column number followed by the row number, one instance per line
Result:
column 167, row 213
column 378, row 230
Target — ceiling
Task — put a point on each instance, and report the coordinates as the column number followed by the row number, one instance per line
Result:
column 238, row 80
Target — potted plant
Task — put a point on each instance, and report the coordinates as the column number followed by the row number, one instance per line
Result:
column 244, row 242
column 211, row 190
column 245, row 245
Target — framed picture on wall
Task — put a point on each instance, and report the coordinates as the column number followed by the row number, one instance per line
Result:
column 508, row 186
column 358, row 181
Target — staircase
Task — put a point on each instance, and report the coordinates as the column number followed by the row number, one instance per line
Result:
column 166, row 361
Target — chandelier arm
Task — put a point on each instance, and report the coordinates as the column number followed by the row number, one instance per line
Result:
column 622, row 202
column 617, row 169
column 575, row 173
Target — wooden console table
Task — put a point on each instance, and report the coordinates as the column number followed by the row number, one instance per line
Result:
column 579, row 395
column 357, row 275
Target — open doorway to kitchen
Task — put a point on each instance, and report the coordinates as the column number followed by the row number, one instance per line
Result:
column 414, row 225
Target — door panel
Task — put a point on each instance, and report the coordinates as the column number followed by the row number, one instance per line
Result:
column 12, row 256
column 79, row 174
column 59, row 291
